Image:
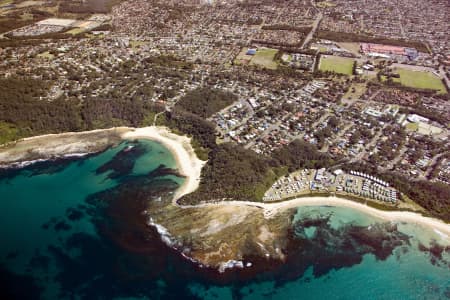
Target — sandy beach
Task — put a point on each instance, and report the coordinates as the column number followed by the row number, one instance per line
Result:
column 271, row 209
column 51, row 146
column 404, row 216
column 180, row 146
column 54, row 145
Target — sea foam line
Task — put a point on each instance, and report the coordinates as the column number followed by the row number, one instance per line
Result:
column 170, row 241
column 166, row 237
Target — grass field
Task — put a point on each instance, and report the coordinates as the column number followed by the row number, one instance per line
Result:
column 352, row 47
column 325, row 4
column 323, row 49
column 412, row 126
column 47, row 55
column 30, row 3
column 336, row 64
column 420, row 80
column 76, row 31
column 265, row 57
column 136, row 44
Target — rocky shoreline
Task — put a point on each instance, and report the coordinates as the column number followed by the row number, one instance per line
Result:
column 54, row 146
column 220, row 236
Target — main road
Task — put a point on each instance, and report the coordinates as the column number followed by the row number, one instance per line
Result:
column 313, row 30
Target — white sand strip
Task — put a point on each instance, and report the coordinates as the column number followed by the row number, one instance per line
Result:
column 190, row 166
column 271, row 209
column 180, row 146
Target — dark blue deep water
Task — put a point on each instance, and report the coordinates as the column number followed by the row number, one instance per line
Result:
column 74, row 229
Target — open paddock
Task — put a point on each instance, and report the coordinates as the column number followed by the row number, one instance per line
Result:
column 420, row 80
column 57, row 22
column 86, row 25
column 336, row 64
column 29, row 3
column 325, row 4
column 75, row 31
column 137, row 44
column 265, row 57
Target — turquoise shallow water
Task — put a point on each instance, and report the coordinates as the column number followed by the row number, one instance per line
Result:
column 407, row 274
column 74, row 229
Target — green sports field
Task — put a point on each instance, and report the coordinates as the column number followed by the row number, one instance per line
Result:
column 336, row 64
column 420, row 80
column 75, row 31
column 265, row 57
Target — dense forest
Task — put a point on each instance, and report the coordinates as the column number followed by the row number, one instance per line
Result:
column 24, row 112
column 300, row 155
column 234, row 173
column 204, row 102
column 101, row 113
column 10, row 24
column 202, row 131
column 21, row 108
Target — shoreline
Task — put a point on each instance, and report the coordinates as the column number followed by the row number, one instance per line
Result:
column 57, row 145
column 272, row 209
column 392, row 216
column 190, row 166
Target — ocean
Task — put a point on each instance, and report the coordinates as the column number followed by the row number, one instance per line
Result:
column 74, row 229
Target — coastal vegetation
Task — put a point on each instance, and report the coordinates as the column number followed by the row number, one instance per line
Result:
column 202, row 131
column 231, row 172
column 8, row 133
column 24, row 112
column 204, row 102
column 301, row 155
column 21, row 107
